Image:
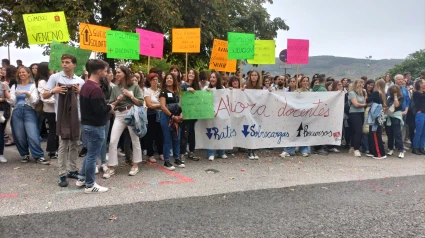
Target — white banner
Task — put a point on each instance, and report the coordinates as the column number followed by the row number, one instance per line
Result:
column 256, row 119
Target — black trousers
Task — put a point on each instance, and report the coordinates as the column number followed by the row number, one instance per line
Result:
column 187, row 136
column 394, row 134
column 376, row 147
column 52, row 138
column 154, row 134
column 357, row 119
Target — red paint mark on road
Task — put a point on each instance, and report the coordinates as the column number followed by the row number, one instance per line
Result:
column 181, row 178
column 9, row 195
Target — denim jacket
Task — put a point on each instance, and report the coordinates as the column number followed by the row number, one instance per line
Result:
column 136, row 118
column 374, row 112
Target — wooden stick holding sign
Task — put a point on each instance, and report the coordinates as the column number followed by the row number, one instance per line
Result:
column 261, row 74
column 186, row 66
column 296, row 79
column 149, row 64
column 240, row 73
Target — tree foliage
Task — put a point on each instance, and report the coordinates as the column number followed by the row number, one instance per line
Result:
column 414, row 63
column 215, row 17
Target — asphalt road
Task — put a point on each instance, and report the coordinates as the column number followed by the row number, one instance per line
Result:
column 388, row 207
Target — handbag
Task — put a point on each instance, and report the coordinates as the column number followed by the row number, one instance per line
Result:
column 390, row 110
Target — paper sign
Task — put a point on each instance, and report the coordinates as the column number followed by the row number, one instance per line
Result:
column 93, row 37
column 186, row 40
column 241, row 45
column 264, row 52
column 218, row 60
column 122, row 45
column 43, row 28
column 151, row 43
column 198, row 105
column 297, row 51
column 58, row 49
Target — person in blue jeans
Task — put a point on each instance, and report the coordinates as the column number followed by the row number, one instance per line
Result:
column 94, row 117
column 419, row 100
column 24, row 96
column 170, row 118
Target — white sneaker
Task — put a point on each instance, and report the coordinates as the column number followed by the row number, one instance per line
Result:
column 383, row 157
column 133, row 171
column 357, row 153
column 390, row 152
column 96, row 189
column 401, row 155
column 305, row 154
column 284, row 154
column 224, row 156
column 104, row 167
column 251, row 155
column 108, row 173
column 80, row 183
column 97, row 169
column 2, row 159
column 211, row 158
column 120, row 154
column 255, row 155
column 369, row 155
column 335, row 150
column 152, row 159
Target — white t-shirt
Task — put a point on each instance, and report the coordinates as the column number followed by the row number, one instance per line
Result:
column 61, row 78
column 154, row 95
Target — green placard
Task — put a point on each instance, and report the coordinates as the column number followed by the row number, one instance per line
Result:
column 198, row 105
column 264, row 52
column 240, row 45
column 122, row 45
column 58, row 49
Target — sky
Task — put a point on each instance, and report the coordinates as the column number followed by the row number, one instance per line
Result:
column 383, row 29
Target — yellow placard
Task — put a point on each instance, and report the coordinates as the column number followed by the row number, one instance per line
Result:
column 43, row 28
column 264, row 52
column 186, row 40
column 93, row 37
column 218, row 60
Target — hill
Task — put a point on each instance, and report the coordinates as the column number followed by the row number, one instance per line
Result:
column 337, row 67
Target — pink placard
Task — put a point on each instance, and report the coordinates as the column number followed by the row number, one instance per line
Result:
column 297, row 51
column 151, row 43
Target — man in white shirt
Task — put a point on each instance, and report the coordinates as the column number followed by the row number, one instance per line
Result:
column 68, row 149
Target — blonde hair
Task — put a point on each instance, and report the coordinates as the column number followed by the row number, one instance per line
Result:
column 18, row 79
column 357, row 87
column 380, row 88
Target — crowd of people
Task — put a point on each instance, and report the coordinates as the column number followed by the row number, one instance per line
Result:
column 118, row 112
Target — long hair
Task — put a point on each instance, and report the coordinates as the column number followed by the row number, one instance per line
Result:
column 357, row 87
column 394, row 90
column 218, row 85
column 43, row 71
column 195, row 82
column 335, row 85
column 249, row 84
column 128, row 75
column 18, row 79
column 178, row 77
column 380, row 88
column 300, row 82
column 176, row 86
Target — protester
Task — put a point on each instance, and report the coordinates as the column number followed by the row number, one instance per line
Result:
column 267, row 85
column 344, row 82
column 49, row 110
column 203, row 79
column 320, row 87
column 5, row 63
column 34, row 72
column 176, row 72
column 4, row 117
column 378, row 103
column 234, row 82
column 215, row 83
column 408, row 79
column 23, row 97
column 281, row 84
column 388, row 82
column 419, row 102
column 65, row 86
column 313, row 83
column 395, row 121
column 94, row 116
column 171, row 116
column 401, row 83
column 154, row 132
column 19, row 63
column 188, row 125
column 124, row 96
column 357, row 101
column 292, row 85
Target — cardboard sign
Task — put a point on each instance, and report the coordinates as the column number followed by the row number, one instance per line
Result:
column 151, row 43
column 255, row 119
column 297, row 51
column 93, row 37
column 218, row 60
column 264, row 52
column 58, row 49
column 122, row 45
column 198, row 105
column 44, row 28
column 186, row 40
column 241, row 45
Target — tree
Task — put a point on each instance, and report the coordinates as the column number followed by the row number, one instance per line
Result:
column 414, row 63
column 215, row 17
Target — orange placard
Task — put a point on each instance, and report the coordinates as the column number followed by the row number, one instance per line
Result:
column 186, row 40
column 218, row 60
column 93, row 37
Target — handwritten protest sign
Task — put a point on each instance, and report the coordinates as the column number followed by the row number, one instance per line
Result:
column 241, row 45
column 44, row 28
column 218, row 60
column 186, row 40
column 264, row 52
column 58, row 49
column 198, row 105
column 93, row 37
column 122, row 45
column 256, row 119
column 297, row 51
column 151, row 43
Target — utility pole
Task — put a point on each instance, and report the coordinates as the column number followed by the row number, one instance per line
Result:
column 368, row 65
